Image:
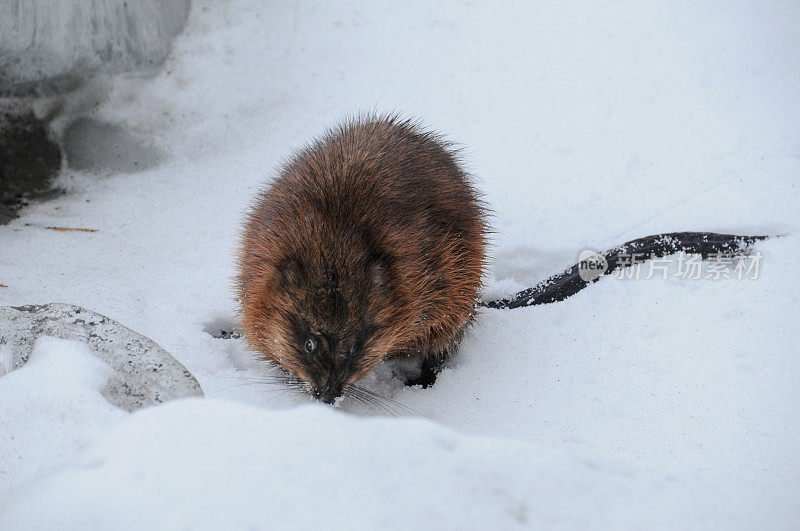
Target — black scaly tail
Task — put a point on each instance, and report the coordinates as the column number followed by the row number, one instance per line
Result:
column 564, row 285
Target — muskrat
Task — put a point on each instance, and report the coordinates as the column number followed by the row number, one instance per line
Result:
column 369, row 245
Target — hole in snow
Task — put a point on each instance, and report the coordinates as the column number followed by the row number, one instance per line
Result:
column 223, row 328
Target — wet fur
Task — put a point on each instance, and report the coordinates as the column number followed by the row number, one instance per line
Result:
column 371, row 237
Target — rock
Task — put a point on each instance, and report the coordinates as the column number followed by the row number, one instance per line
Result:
column 144, row 373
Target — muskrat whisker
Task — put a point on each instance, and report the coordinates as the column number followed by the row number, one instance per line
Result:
column 275, row 397
column 282, row 381
column 371, row 400
column 272, row 390
column 357, row 399
column 395, row 403
column 388, row 404
column 243, row 384
column 270, row 379
column 380, row 405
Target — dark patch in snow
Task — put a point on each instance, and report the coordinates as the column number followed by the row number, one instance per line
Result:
column 28, row 161
column 93, row 145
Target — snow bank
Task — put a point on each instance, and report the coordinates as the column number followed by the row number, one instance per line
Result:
column 50, row 409
column 212, row 464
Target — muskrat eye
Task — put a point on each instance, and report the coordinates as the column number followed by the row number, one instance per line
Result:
column 354, row 349
column 310, row 345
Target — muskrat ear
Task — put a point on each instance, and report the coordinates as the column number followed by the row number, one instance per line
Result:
column 292, row 272
column 378, row 272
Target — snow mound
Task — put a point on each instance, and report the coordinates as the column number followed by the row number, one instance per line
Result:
column 50, row 408
column 212, row 464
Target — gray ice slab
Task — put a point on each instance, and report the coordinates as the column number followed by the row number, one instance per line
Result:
column 50, row 47
column 144, row 373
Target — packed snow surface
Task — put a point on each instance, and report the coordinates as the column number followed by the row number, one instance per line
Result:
column 313, row 468
column 660, row 402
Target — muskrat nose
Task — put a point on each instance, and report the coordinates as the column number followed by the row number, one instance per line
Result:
column 328, row 398
column 327, row 394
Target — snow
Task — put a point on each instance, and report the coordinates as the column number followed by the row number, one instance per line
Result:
column 311, row 467
column 635, row 403
column 52, row 409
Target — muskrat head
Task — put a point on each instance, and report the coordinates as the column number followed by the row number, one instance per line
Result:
column 332, row 319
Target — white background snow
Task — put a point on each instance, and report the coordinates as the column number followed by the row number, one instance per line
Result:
column 635, row 403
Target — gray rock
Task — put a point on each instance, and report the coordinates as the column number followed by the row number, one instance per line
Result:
column 144, row 373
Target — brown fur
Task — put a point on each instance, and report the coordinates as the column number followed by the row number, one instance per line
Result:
column 372, row 242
